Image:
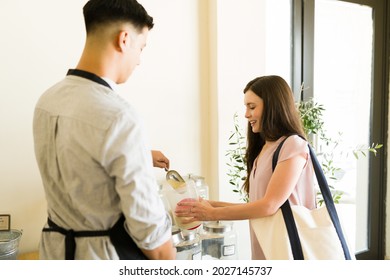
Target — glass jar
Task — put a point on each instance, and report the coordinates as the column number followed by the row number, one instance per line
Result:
column 163, row 197
column 200, row 184
column 186, row 192
column 219, row 241
column 188, row 245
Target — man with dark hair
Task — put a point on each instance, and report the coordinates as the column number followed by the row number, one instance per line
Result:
column 96, row 167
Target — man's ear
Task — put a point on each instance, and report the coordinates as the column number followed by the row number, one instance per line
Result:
column 123, row 40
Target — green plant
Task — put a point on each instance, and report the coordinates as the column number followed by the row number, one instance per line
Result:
column 363, row 150
column 311, row 115
column 236, row 159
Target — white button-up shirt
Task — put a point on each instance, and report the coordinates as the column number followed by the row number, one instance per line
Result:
column 95, row 165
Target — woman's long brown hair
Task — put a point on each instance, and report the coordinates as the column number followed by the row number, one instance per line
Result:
column 280, row 117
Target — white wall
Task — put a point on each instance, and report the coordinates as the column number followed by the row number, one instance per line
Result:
column 166, row 86
column 40, row 40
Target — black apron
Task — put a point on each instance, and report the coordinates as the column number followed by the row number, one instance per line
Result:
column 123, row 243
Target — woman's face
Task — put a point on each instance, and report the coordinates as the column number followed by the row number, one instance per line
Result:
column 254, row 110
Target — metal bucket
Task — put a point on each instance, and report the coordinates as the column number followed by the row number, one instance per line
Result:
column 9, row 244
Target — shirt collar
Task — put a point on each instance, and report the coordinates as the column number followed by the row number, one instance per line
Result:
column 112, row 84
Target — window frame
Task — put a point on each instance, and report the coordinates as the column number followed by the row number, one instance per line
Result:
column 302, row 71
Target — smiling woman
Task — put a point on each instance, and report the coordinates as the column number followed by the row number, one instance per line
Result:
column 274, row 119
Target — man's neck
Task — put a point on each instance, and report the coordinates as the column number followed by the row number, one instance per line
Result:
column 100, row 62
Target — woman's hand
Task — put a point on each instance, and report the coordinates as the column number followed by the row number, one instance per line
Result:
column 195, row 211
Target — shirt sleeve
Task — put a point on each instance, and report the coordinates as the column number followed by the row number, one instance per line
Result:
column 292, row 147
column 304, row 192
column 127, row 159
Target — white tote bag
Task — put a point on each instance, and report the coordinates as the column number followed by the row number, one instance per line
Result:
column 317, row 234
column 295, row 232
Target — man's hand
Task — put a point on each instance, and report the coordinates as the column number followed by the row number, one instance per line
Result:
column 160, row 160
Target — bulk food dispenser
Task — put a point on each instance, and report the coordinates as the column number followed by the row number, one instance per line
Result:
column 219, row 241
column 188, row 244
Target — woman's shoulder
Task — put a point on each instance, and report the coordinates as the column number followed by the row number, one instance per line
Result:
column 293, row 145
column 296, row 140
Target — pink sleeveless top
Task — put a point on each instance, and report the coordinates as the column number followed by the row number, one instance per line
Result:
column 304, row 192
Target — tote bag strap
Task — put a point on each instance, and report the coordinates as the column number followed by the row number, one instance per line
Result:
column 288, row 217
column 327, row 196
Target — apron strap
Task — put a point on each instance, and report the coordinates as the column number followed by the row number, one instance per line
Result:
column 123, row 243
column 70, row 235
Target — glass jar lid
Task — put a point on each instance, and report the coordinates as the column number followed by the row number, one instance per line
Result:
column 188, row 241
column 218, row 226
